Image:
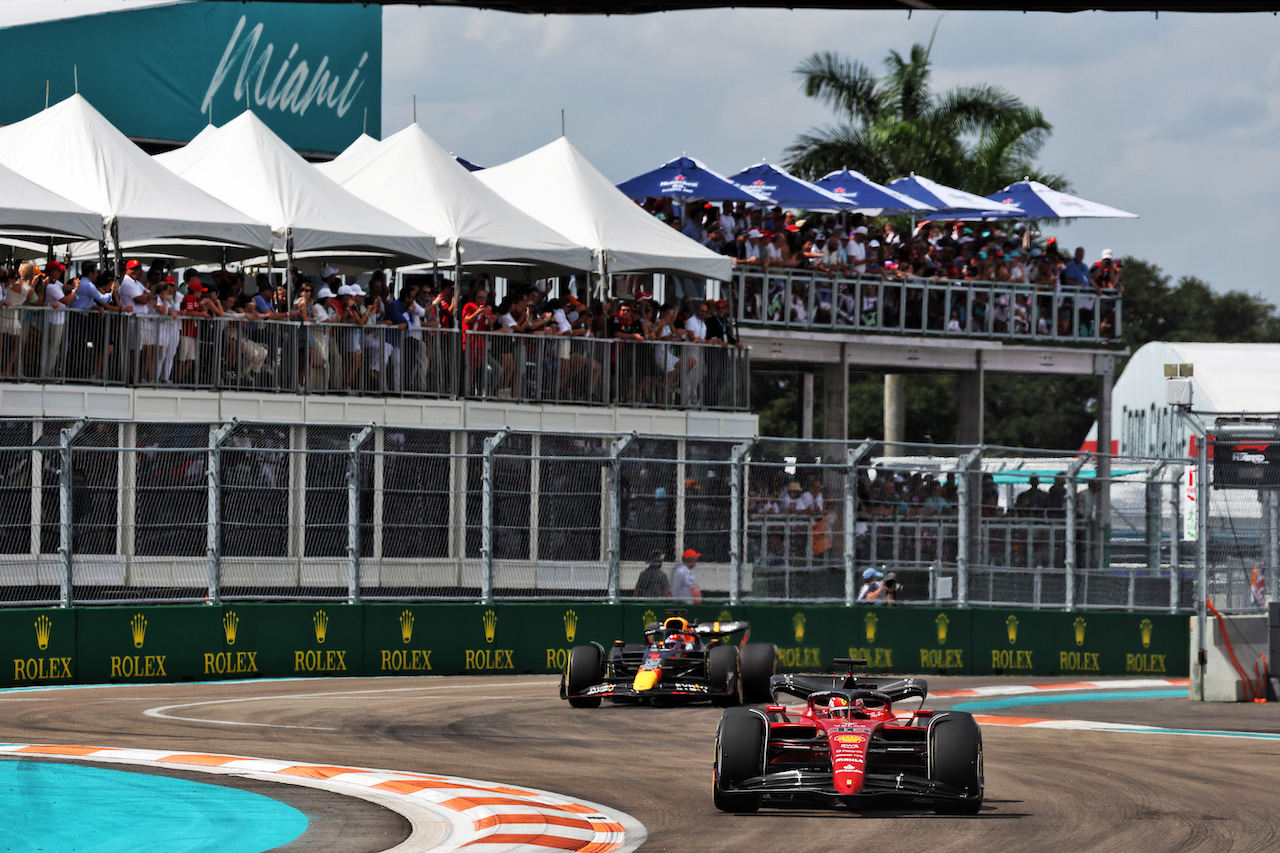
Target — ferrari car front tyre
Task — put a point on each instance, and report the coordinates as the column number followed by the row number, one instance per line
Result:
column 760, row 662
column 955, row 757
column 724, row 673
column 739, row 756
column 583, row 673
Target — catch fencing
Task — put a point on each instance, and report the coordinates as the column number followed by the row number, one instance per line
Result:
column 100, row 512
column 233, row 353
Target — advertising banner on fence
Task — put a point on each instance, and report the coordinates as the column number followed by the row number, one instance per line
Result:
column 311, row 71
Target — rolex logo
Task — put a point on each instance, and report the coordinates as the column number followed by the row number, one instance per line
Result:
column 797, row 622
column 870, row 621
column 942, row 621
column 139, row 628
column 490, row 625
column 724, row 616
column 44, row 627
column 1079, row 626
column 1011, row 625
column 321, row 623
column 570, row 625
column 649, row 618
column 1145, row 626
column 406, row 626
column 230, row 624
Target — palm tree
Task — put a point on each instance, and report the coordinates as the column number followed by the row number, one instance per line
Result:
column 977, row 138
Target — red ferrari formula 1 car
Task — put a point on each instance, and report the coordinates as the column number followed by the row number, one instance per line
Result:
column 842, row 743
column 681, row 661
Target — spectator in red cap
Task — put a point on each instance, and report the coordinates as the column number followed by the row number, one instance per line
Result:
column 684, row 584
column 192, row 305
column 56, row 299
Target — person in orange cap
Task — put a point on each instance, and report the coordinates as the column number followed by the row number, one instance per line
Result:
column 684, row 584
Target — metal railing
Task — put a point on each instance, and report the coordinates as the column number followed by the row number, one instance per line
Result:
column 95, row 511
column 804, row 299
column 149, row 350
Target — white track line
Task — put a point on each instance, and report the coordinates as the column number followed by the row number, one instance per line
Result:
column 162, row 711
column 446, row 812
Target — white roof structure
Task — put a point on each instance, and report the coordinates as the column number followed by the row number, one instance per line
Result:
column 29, row 210
column 1228, row 378
column 411, row 177
column 364, row 142
column 70, row 149
column 558, row 187
column 245, row 164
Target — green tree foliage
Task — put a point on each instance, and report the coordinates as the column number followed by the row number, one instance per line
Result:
column 978, row 138
column 1156, row 310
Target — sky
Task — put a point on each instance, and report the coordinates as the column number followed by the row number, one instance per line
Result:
column 1174, row 117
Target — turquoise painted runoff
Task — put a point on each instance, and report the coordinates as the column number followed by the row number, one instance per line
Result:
column 1057, row 699
column 60, row 808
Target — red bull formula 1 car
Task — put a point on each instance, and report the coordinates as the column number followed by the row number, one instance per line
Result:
column 839, row 742
column 680, row 661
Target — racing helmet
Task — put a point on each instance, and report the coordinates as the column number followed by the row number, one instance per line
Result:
column 838, row 706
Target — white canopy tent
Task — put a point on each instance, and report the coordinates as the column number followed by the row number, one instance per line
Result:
column 245, row 164
column 411, row 177
column 31, row 211
column 364, row 142
column 558, row 187
column 70, row 149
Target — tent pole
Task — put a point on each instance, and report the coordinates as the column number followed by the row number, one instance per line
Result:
column 288, row 265
column 457, row 277
column 115, row 243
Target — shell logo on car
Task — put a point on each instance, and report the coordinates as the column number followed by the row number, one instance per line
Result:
column 848, row 738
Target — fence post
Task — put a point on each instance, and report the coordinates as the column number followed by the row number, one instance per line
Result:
column 358, row 441
column 1175, row 536
column 66, row 530
column 737, row 512
column 486, row 515
column 1069, row 561
column 616, row 449
column 852, row 457
column 213, row 523
column 1154, row 516
column 963, row 532
column 1273, row 543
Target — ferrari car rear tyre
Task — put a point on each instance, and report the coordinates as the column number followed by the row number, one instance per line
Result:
column 739, row 756
column 955, row 755
column 583, row 673
column 759, row 664
column 724, row 673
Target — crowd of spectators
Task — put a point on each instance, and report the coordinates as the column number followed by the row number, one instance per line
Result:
column 855, row 247
column 234, row 329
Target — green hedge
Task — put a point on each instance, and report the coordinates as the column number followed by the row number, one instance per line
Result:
column 150, row 644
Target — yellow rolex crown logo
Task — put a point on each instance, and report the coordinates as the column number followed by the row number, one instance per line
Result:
column 406, row 626
column 797, row 622
column 648, row 618
column 870, row 621
column 230, row 624
column 44, row 627
column 321, row 623
column 1145, row 626
column 138, row 625
column 942, row 621
column 1011, row 625
column 490, row 625
column 570, row 625
column 724, row 616
column 1079, row 626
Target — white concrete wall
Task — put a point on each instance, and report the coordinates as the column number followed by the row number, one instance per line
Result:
column 1249, row 637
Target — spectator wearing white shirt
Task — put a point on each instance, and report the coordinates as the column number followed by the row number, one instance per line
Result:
column 56, row 299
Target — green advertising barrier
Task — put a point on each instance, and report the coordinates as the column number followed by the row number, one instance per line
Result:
column 143, row 644
column 1029, row 642
column 37, row 647
column 288, row 640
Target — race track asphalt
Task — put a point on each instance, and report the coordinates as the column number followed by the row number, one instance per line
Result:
column 1046, row 789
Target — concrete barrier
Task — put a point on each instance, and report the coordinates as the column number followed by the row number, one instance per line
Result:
column 1219, row 680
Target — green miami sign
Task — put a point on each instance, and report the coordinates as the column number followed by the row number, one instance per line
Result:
column 311, row 71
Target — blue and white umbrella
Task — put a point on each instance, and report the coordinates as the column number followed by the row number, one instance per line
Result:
column 869, row 197
column 786, row 189
column 685, row 178
column 1041, row 202
column 951, row 203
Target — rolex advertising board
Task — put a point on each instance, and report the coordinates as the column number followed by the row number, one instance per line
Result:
column 38, row 647
column 1030, row 642
column 311, row 71
column 289, row 641
column 143, row 644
